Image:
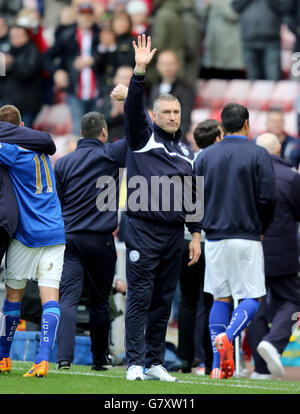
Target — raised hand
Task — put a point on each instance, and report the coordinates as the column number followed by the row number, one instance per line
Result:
column 143, row 53
column 119, row 92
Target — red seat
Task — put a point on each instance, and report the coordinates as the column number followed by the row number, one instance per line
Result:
column 260, row 94
column 257, row 122
column 210, row 93
column 238, row 91
column 199, row 115
column 290, row 123
column 284, row 94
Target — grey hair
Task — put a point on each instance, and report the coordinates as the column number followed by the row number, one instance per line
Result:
column 163, row 97
column 270, row 142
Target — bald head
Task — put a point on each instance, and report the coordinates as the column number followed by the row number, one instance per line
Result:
column 270, row 142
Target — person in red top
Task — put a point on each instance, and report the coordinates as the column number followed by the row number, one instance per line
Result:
column 71, row 62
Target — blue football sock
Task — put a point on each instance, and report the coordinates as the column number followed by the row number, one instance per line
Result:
column 9, row 322
column 218, row 321
column 49, row 324
column 241, row 317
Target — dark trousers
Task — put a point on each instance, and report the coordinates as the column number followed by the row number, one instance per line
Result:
column 154, row 254
column 90, row 256
column 277, row 307
column 194, row 307
column 4, row 242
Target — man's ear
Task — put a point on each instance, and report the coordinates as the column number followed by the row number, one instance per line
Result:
column 22, row 124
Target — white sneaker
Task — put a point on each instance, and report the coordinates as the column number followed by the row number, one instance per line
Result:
column 200, row 370
column 258, row 376
column 135, row 373
column 158, row 372
column 270, row 354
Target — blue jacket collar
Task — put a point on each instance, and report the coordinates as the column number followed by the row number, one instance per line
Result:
column 85, row 142
column 235, row 136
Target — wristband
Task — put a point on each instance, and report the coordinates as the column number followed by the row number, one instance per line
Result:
column 139, row 73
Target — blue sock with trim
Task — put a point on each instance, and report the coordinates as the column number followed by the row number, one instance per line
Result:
column 49, row 323
column 218, row 321
column 9, row 322
column 241, row 317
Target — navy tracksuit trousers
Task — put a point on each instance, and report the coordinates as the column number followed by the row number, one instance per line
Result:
column 278, row 306
column 91, row 256
column 154, row 254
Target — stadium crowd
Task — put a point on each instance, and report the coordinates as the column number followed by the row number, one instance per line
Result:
column 64, row 58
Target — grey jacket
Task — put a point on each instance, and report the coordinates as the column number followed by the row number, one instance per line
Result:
column 222, row 37
column 260, row 21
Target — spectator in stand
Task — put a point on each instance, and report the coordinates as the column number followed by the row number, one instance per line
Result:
column 138, row 11
column 67, row 18
column 222, row 56
column 32, row 21
column 9, row 9
column 168, row 68
column 113, row 109
column 71, row 62
column 181, row 19
column 260, row 22
column 292, row 10
column 192, row 32
column 106, row 61
column 23, row 85
column 167, row 18
column 4, row 48
column 275, row 125
column 281, row 268
column 121, row 25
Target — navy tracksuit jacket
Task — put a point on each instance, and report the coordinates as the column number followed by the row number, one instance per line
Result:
column 90, row 249
column 239, row 189
column 154, row 239
column 281, row 255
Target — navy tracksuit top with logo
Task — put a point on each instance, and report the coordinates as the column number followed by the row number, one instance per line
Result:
column 154, row 152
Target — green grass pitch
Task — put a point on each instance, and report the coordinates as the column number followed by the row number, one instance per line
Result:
column 82, row 380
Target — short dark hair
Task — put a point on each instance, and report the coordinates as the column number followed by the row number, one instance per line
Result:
column 206, row 132
column 92, row 124
column 234, row 116
column 276, row 110
column 11, row 114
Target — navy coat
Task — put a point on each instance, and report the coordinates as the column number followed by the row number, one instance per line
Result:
column 280, row 241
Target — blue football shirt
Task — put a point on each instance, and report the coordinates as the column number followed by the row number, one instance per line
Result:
column 40, row 222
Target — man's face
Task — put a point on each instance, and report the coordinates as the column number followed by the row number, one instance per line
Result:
column 18, row 37
column 167, row 66
column 275, row 123
column 168, row 116
column 3, row 27
column 123, row 76
column 85, row 20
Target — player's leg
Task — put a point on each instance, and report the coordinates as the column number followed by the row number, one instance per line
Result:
column 218, row 321
column 216, row 283
column 9, row 320
column 20, row 265
column 49, row 274
column 246, row 282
